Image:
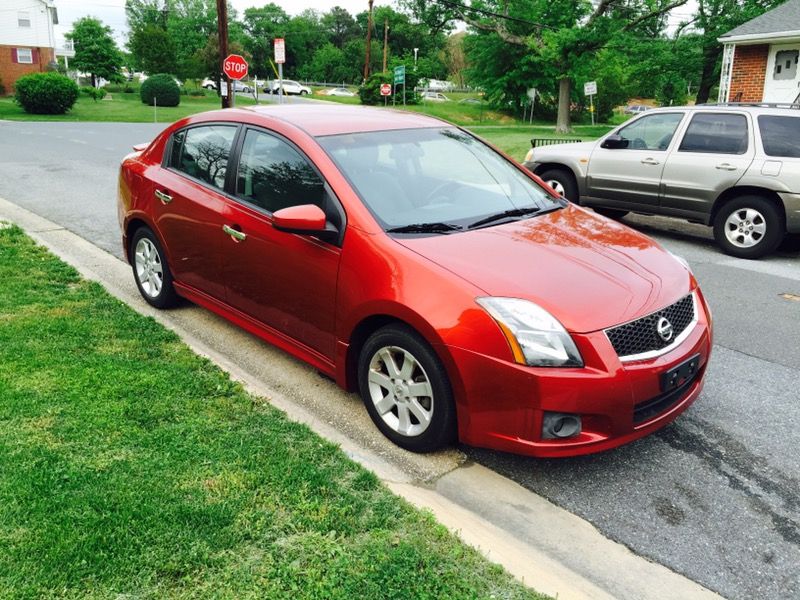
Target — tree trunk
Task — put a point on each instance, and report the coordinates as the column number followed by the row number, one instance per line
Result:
column 710, row 74
column 94, row 81
column 563, row 124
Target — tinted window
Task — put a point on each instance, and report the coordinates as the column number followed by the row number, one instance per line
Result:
column 717, row 133
column 204, row 153
column 780, row 135
column 653, row 132
column 273, row 175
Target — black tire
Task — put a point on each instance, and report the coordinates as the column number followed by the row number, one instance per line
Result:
column 764, row 233
column 162, row 295
column 611, row 213
column 303, row 92
column 427, row 368
column 563, row 178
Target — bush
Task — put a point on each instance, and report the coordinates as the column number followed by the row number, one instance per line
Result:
column 370, row 91
column 94, row 93
column 2, row 88
column 45, row 93
column 160, row 89
column 197, row 93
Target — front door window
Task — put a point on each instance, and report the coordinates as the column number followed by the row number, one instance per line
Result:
column 652, row 132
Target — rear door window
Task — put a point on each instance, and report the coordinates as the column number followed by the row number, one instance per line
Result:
column 202, row 152
column 717, row 133
column 780, row 135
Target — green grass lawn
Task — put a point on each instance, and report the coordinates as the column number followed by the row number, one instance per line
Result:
column 133, row 468
column 516, row 140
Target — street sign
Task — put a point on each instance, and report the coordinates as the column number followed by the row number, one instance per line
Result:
column 400, row 74
column 280, row 51
column 590, row 88
column 532, row 93
column 235, row 67
column 386, row 89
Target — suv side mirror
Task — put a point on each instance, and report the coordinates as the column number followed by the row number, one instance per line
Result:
column 615, row 142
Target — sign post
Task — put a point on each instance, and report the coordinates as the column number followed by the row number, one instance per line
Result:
column 590, row 89
column 400, row 77
column 280, row 57
column 532, row 95
column 234, row 67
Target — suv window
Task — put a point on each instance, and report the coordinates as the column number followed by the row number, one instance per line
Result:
column 651, row 132
column 202, row 152
column 716, row 132
column 273, row 175
column 780, row 135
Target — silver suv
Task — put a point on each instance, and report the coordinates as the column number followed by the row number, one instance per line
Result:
column 733, row 167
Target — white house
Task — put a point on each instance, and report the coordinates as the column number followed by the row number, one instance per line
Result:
column 27, row 41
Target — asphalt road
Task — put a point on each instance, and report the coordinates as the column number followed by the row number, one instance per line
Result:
column 715, row 496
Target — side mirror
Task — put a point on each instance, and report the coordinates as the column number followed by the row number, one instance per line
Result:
column 615, row 142
column 305, row 219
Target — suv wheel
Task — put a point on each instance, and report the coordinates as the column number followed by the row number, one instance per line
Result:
column 562, row 182
column 749, row 227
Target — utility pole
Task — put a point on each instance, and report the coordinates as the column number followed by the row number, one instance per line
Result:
column 385, row 40
column 369, row 41
column 222, row 29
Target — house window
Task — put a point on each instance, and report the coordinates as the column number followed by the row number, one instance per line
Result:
column 786, row 64
column 24, row 18
column 25, row 56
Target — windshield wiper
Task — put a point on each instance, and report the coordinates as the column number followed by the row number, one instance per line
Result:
column 425, row 228
column 514, row 212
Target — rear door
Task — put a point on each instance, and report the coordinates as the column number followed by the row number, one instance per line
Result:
column 631, row 176
column 714, row 152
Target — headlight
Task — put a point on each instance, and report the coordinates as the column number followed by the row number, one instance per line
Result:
column 529, row 156
column 536, row 337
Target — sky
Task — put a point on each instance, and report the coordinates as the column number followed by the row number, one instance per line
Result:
column 112, row 12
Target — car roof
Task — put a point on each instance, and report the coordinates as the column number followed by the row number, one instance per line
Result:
column 320, row 119
column 759, row 109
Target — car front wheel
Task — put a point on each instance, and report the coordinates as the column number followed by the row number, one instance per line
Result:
column 749, row 227
column 562, row 182
column 150, row 269
column 406, row 390
column 303, row 92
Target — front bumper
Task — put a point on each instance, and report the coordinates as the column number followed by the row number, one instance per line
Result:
column 504, row 403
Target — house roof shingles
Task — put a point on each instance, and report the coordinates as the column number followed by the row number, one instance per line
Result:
column 784, row 18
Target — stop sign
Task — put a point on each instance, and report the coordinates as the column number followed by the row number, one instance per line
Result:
column 386, row 89
column 234, row 66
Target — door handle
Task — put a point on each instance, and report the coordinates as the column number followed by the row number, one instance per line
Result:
column 237, row 235
column 649, row 161
column 726, row 167
column 165, row 198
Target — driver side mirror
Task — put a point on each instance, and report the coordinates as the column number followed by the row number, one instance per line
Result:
column 305, row 219
column 615, row 142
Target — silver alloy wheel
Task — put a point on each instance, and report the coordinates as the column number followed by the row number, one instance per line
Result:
column 745, row 227
column 149, row 270
column 557, row 186
column 401, row 391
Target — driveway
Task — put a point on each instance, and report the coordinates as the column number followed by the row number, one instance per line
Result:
column 715, row 496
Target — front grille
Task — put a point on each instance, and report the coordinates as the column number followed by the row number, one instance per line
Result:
column 641, row 336
column 647, row 410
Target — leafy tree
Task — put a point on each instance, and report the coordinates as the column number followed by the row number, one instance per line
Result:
column 329, row 65
column 96, row 52
column 153, row 50
column 340, row 26
column 261, row 27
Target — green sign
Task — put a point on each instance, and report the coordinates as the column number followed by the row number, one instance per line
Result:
column 400, row 74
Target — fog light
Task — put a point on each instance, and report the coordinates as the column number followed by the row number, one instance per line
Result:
column 560, row 425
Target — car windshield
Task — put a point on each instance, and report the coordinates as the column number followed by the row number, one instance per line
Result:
column 434, row 180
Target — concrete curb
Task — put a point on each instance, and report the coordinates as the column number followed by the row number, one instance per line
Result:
column 541, row 544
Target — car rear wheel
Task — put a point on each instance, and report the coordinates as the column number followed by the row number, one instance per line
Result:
column 749, row 227
column 562, row 182
column 611, row 213
column 406, row 390
column 150, row 269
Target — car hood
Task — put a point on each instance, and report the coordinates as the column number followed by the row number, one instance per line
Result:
column 588, row 271
column 572, row 149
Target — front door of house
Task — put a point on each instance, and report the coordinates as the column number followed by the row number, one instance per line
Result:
column 782, row 82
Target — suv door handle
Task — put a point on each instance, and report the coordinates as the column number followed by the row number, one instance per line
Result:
column 726, row 167
column 165, row 198
column 649, row 161
column 237, row 235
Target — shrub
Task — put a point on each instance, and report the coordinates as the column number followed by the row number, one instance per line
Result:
column 45, row 93
column 370, row 91
column 2, row 88
column 197, row 93
column 94, row 93
column 160, row 89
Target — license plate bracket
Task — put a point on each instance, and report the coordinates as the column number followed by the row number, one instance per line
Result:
column 680, row 374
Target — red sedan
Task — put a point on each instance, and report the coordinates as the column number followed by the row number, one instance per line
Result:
column 416, row 264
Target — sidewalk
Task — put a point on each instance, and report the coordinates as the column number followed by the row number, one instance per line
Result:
column 539, row 543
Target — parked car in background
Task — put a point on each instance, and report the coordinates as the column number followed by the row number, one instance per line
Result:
column 405, row 258
column 635, row 109
column 238, row 86
column 340, row 91
column 289, row 87
column 434, row 97
column 734, row 167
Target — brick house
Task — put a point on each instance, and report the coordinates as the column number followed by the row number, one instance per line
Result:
column 27, row 40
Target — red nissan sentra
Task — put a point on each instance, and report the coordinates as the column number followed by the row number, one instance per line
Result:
column 411, row 261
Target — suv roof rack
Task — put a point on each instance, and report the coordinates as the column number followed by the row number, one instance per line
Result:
column 795, row 104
